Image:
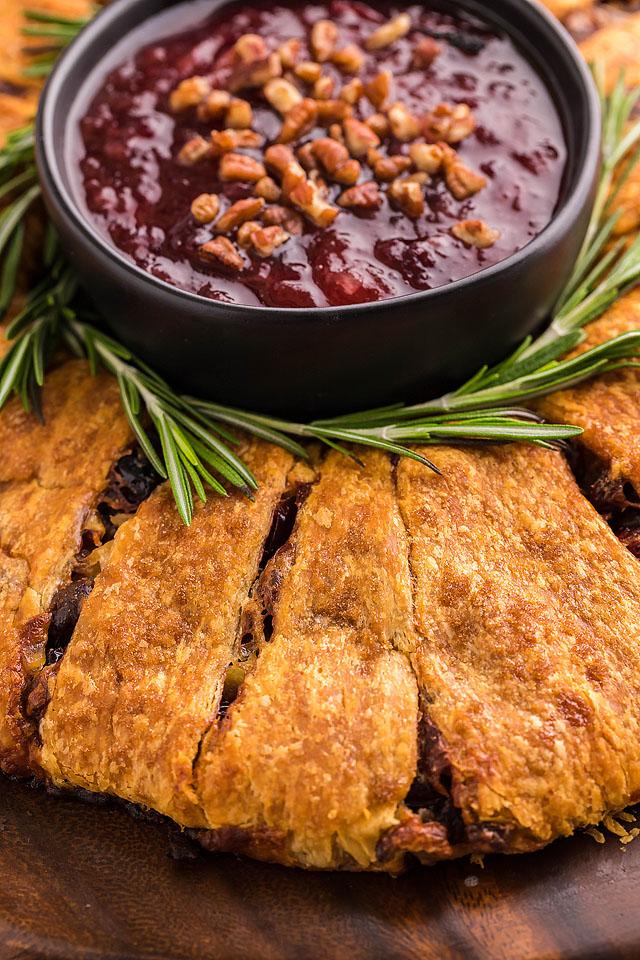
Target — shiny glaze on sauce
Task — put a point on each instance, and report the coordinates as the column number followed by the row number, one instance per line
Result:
column 140, row 198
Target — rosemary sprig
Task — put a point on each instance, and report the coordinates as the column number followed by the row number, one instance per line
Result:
column 187, row 439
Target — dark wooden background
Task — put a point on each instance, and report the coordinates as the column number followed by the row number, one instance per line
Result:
column 84, row 881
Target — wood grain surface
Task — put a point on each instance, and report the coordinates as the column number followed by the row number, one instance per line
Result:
column 82, row 882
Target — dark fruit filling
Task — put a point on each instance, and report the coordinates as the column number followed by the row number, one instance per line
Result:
column 295, row 155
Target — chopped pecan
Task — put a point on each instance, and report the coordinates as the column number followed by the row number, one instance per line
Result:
column 475, row 233
column 284, row 217
column 421, row 177
column 378, row 90
column 300, row 120
column 332, row 111
column 239, row 167
column 206, row 207
column 461, row 181
column 388, row 168
column 289, row 52
column 306, row 156
column 189, row 93
column 352, row 91
column 281, row 159
column 427, row 156
column 323, row 88
column 223, row 250
column 374, row 156
column 389, row 32
column 254, row 65
column 282, row 95
column 267, row 188
column 409, row 196
column 250, row 48
column 266, row 239
column 349, row 59
column 307, row 197
column 239, row 114
column 245, row 230
column 238, row 213
column 324, row 37
column 223, row 141
column 336, row 132
column 335, row 159
column 308, row 71
column 193, row 151
column 379, row 124
column 404, row 125
column 364, row 196
column 214, row 105
column 425, row 52
column 449, row 123
column 359, row 137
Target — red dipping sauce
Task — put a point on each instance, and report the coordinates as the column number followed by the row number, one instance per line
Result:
column 140, row 196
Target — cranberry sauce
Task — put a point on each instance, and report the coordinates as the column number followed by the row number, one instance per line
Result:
column 140, row 194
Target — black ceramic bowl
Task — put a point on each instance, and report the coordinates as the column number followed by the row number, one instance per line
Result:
column 321, row 361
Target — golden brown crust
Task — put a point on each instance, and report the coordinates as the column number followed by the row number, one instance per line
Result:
column 608, row 407
column 50, row 477
column 528, row 612
column 320, row 746
column 617, row 47
column 142, row 678
column 19, row 93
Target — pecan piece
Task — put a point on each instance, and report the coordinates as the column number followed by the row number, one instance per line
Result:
column 323, row 88
column 427, row 156
column 379, row 124
column 461, row 180
column 359, row 137
column 352, row 91
column 239, row 213
column 237, row 167
column 282, row 95
column 378, row 90
column 189, row 93
column 449, row 123
column 308, row 71
column 223, row 141
column 306, row 156
column 324, row 37
column 335, row 159
column 214, row 105
column 307, row 197
column 364, row 196
column 349, row 59
column 245, row 231
column 389, row 32
column 404, row 125
column 239, row 114
column 284, row 217
column 289, row 52
column 300, row 120
column 267, row 188
column 336, row 132
column 388, row 168
column 409, row 196
column 425, row 52
column 206, row 207
column 194, row 150
column 224, row 251
column 266, row 240
column 332, row 111
column 253, row 64
column 475, row 233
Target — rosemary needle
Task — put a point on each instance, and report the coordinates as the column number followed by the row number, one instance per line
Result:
column 188, row 441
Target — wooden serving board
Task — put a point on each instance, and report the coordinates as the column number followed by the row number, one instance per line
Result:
column 89, row 882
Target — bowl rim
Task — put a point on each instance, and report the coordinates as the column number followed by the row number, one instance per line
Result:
column 579, row 192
